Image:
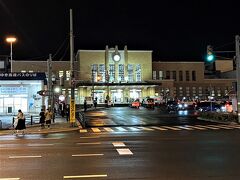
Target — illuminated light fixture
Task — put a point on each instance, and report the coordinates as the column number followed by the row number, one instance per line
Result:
column 11, row 40
column 116, row 55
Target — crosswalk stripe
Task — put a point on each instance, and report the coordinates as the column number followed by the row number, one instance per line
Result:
column 96, row 130
column 195, row 127
column 183, row 127
column 159, row 128
column 83, row 130
column 206, row 126
column 146, row 129
column 220, row 126
column 133, row 129
column 172, row 128
column 121, row 129
column 108, row 129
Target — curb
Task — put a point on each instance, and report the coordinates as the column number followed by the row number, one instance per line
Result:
column 221, row 122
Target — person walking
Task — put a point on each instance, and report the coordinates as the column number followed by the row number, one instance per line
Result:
column 42, row 119
column 67, row 113
column 48, row 117
column 20, row 125
column 85, row 105
column 95, row 103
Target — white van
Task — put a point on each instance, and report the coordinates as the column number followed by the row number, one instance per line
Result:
column 89, row 100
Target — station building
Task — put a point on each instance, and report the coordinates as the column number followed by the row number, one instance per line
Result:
column 117, row 75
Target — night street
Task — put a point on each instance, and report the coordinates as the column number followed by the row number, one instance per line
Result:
column 142, row 154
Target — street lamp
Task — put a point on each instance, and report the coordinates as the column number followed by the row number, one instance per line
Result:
column 11, row 40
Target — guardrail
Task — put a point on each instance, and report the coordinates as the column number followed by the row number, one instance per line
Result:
column 29, row 120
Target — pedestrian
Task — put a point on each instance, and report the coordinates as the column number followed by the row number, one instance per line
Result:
column 95, row 103
column 67, row 113
column 85, row 105
column 48, row 117
column 20, row 124
column 42, row 119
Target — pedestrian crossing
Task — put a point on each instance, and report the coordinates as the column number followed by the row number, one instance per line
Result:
column 159, row 128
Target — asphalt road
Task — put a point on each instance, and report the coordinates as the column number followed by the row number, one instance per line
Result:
column 200, row 154
column 126, row 116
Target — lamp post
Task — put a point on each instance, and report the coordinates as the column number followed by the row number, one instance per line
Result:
column 11, row 40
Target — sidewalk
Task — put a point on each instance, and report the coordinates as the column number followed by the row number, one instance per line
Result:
column 60, row 125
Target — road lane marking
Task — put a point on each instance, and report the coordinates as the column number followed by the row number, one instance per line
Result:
column 18, row 157
column 159, row 128
column 146, row 129
column 226, row 127
column 209, row 127
column 172, row 128
column 133, row 129
column 9, row 178
column 85, row 176
column 83, row 130
column 96, row 130
column 219, row 126
column 184, row 127
column 93, row 143
column 124, row 151
column 86, row 155
column 195, row 127
column 118, row 144
column 38, row 145
column 121, row 129
column 51, row 138
column 108, row 129
column 90, row 137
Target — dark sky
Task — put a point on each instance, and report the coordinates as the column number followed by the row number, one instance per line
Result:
column 174, row 30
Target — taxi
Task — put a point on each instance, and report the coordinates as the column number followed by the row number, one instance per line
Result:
column 136, row 104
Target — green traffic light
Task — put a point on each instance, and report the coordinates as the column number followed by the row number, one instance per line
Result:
column 210, row 58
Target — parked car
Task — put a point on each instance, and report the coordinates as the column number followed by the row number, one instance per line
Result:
column 172, row 106
column 208, row 106
column 149, row 103
column 135, row 104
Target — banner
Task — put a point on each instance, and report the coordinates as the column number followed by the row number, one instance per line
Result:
column 72, row 111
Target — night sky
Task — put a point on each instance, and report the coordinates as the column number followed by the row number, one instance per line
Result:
column 175, row 30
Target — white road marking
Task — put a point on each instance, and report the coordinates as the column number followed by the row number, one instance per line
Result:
column 118, row 144
column 159, row 128
column 37, row 145
column 124, row 151
column 90, row 137
column 108, row 129
column 17, row 157
column 121, row 129
column 226, row 127
column 183, row 127
column 86, row 155
column 133, row 129
column 96, row 130
column 93, row 143
column 51, row 138
column 83, row 130
column 85, row 176
column 195, row 127
column 219, row 126
column 9, row 178
column 172, row 128
column 209, row 127
column 146, row 129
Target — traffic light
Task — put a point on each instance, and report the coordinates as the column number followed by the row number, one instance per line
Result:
column 210, row 55
column 42, row 93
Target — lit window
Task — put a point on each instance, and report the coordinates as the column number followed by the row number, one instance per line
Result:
column 121, row 72
column 154, row 75
column 138, row 73
column 68, row 75
column 130, row 72
column 161, row 75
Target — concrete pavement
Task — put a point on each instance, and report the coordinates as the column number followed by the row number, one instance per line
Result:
column 60, row 125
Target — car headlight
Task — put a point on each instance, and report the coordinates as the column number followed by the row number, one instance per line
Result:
column 180, row 105
column 185, row 105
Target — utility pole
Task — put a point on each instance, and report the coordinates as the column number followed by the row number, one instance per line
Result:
column 238, row 75
column 72, row 80
column 49, row 68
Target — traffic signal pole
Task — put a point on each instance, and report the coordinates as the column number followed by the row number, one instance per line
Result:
column 49, row 88
column 72, row 80
column 237, row 56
